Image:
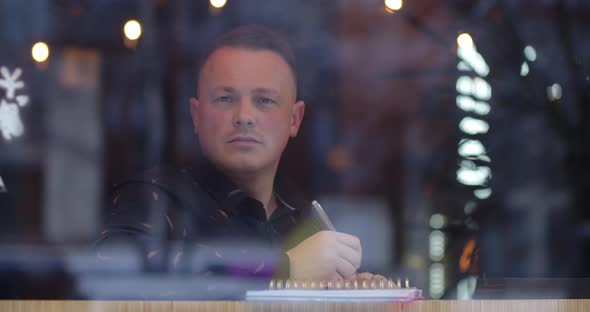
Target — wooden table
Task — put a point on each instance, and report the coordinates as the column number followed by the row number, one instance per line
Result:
column 237, row 306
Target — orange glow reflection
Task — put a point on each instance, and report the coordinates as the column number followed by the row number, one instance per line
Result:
column 469, row 257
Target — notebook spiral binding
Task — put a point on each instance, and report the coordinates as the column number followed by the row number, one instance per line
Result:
column 337, row 285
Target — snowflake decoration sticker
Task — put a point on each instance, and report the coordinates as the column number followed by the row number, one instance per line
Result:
column 10, row 103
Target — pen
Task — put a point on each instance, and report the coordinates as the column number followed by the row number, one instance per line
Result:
column 322, row 216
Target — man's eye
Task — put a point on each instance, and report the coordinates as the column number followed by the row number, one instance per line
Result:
column 264, row 100
column 223, row 99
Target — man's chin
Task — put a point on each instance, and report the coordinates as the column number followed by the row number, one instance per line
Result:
column 243, row 166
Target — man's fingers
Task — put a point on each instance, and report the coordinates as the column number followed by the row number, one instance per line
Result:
column 369, row 277
column 365, row 276
column 378, row 278
column 344, row 268
column 352, row 256
column 349, row 240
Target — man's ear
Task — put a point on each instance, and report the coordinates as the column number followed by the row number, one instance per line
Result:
column 296, row 117
column 194, row 104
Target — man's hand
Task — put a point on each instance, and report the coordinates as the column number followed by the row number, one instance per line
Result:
column 326, row 255
column 369, row 278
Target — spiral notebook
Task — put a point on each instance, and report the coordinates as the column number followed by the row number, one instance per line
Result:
column 345, row 291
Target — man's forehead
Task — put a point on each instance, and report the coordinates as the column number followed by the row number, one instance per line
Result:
column 262, row 69
column 235, row 56
column 232, row 89
column 268, row 91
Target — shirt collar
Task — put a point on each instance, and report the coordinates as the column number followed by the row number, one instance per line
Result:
column 221, row 188
column 213, row 181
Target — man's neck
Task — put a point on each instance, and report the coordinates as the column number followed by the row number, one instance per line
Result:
column 260, row 186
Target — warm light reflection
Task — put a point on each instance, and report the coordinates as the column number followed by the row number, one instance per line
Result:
column 468, row 255
column 132, row 30
column 465, row 41
column 40, row 52
column 530, row 53
column 393, row 5
column 339, row 158
column 218, row 4
column 473, row 126
column 524, row 69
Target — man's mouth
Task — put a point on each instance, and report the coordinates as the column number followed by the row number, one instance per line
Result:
column 244, row 139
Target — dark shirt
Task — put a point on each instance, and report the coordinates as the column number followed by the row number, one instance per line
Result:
column 196, row 223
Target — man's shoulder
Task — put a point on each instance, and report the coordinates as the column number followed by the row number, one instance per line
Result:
column 178, row 183
column 158, row 174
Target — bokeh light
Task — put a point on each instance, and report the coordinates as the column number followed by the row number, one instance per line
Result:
column 464, row 85
column 481, row 89
column 132, row 30
column 218, row 3
column 473, row 176
column 524, row 69
column 469, row 147
column 473, row 126
column 530, row 53
column 466, row 103
column 554, row 92
column 393, row 5
column 483, row 193
column 437, row 280
column 436, row 248
column 437, row 221
column 40, row 52
column 465, row 41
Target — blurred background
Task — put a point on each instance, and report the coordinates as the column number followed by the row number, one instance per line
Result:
column 452, row 136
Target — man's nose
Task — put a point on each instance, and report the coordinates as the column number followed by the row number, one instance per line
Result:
column 244, row 116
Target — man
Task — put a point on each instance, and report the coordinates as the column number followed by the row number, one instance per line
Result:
column 244, row 114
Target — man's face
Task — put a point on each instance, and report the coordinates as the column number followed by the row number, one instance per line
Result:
column 246, row 109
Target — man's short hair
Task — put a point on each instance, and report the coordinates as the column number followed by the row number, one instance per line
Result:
column 255, row 37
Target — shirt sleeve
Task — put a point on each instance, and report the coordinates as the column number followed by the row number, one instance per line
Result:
column 148, row 237
column 139, row 223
